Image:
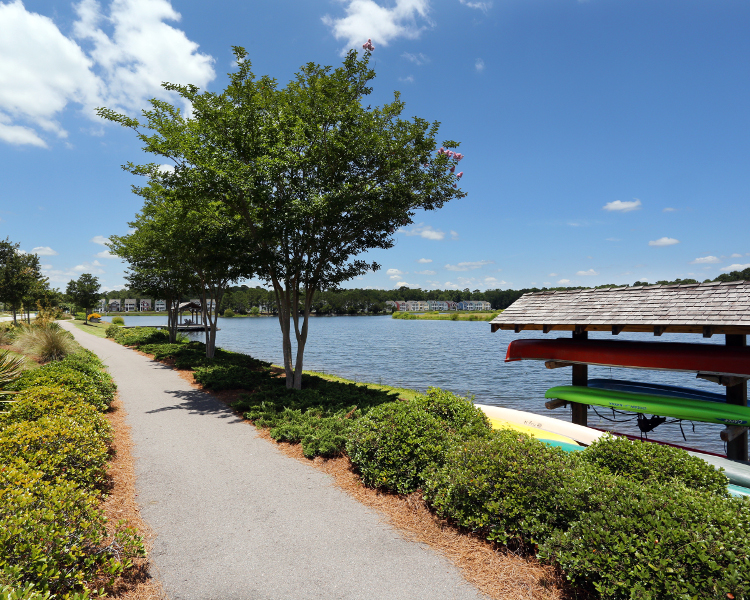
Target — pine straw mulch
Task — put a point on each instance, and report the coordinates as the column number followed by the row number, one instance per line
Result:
column 494, row 570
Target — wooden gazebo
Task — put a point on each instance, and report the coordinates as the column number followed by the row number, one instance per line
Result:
column 715, row 308
column 195, row 311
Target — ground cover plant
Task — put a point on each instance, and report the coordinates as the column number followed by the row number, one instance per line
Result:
column 621, row 519
column 55, row 541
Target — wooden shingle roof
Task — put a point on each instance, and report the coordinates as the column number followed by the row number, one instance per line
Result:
column 708, row 308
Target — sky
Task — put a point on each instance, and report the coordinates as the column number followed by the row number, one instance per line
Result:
column 605, row 141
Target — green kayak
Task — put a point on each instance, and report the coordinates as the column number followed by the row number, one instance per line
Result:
column 664, row 406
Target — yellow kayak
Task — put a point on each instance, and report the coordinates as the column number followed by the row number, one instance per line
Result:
column 532, row 431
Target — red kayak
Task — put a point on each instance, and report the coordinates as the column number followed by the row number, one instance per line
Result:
column 667, row 356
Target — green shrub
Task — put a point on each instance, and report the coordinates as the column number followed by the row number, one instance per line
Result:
column 53, row 535
column 7, row 334
column 43, row 401
column 111, row 331
column 654, row 462
column 318, row 417
column 255, row 311
column 98, row 391
column 141, row 335
column 657, row 541
column 58, row 447
column 454, row 317
column 509, row 487
column 228, row 312
column 397, row 444
column 27, row 592
column 230, row 377
column 118, row 321
column 81, row 316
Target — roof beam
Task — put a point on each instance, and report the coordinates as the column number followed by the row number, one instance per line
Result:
column 518, row 328
column 616, row 329
column 707, row 331
column 547, row 328
column 579, row 329
column 659, row 329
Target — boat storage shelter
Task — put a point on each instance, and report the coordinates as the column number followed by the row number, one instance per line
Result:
column 717, row 308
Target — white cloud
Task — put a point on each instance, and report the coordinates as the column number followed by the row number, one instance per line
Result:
column 736, row 255
column 483, row 6
column 479, row 65
column 367, row 19
column 620, row 206
column 42, row 71
column 427, row 272
column 43, row 251
column 665, row 241
column 735, row 267
column 99, row 239
column 488, row 281
column 94, row 268
column 454, row 235
column 553, row 275
column 405, row 284
column 417, row 59
column 587, row 273
column 705, row 260
column 407, row 79
column 106, row 254
column 450, row 285
column 425, row 231
column 668, row 209
column 564, row 281
column 469, row 266
column 424, row 261
column 613, row 240
column 394, row 272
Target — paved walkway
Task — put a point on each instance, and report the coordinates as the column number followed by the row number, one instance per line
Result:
column 238, row 520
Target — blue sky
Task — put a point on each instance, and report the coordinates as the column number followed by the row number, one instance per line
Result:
column 605, row 141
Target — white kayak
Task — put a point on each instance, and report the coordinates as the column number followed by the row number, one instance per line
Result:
column 578, row 433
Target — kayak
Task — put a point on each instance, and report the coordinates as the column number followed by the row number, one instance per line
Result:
column 656, row 389
column 667, row 356
column 665, row 406
column 570, row 431
column 532, row 431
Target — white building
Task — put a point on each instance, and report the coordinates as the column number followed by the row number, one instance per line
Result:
column 113, row 305
column 102, row 306
column 144, row 305
column 129, row 305
column 474, row 305
column 160, row 305
column 417, row 305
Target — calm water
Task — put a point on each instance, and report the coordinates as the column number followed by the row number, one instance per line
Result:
column 461, row 356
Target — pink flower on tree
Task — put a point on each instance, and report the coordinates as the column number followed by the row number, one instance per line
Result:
column 461, row 174
column 450, row 153
column 453, row 168
column 441, row 151
column 368, row 45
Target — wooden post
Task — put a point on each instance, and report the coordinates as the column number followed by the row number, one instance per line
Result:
column 580, row 377
column 737, row 394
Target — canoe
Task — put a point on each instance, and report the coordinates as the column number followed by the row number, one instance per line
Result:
column 665, row 406
column 656, row 389
column 667, row 356
column 737, row 472
column 571, row 431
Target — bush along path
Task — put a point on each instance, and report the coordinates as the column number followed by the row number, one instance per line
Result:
column 235, row 518
column 621, row 519
column 55, row 541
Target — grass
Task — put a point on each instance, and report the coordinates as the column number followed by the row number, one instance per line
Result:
column 402, row 392
column 96, row 329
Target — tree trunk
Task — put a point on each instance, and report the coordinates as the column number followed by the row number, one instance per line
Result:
column 301, row 335
column 283, row 303
column 172, row 320
column 15, row 316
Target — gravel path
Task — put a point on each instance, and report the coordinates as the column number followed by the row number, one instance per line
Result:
column 238, row 520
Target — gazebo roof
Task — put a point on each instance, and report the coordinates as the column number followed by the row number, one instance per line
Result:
column 708, row 308
column 188, row 306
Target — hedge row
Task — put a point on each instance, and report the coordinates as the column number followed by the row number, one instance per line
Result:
column 54, row 446
column 624, row 519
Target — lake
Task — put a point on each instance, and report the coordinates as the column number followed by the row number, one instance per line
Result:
column 461, row 356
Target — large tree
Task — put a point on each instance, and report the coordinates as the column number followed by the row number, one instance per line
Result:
column 84, row 292
column 317, row 176
column 201, row 244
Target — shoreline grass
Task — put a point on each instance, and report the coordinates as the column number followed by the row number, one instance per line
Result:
column 454, row 316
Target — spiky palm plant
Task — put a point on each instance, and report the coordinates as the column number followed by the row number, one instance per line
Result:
column 10, row 370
